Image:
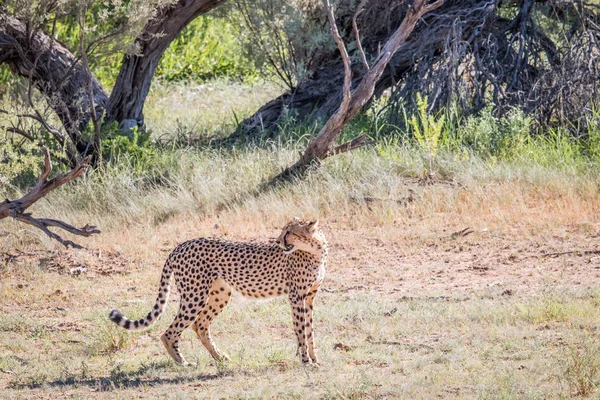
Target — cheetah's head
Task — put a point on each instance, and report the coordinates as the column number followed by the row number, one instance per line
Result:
column 300, row 234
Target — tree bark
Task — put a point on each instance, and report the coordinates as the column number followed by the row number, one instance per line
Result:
column 133, row 82
column 62, row 79
column 55, row 71
column 353, row 100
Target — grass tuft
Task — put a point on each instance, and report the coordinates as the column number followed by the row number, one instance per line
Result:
column 582, row 371
column 109, row 338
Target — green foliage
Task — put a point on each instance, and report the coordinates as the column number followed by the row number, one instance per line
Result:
column 136, row 148
column 510, row 138
column 208, row 48
column 427, row 130
column 491, row 137
column 19, row 162
column 282, row 38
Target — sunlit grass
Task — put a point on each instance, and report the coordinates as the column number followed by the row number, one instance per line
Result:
column 475, row 348
column 56, row 340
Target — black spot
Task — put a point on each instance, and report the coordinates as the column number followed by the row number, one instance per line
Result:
column 116, row 317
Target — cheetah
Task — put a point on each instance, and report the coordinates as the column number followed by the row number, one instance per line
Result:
column 207, row 269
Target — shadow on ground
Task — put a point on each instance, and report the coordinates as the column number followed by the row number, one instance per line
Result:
column 145, row 375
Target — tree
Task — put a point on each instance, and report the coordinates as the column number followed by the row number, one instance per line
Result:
column 538, row 55
column 353, row 100
column 62, row 76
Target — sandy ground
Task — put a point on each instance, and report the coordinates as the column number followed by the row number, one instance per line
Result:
column 451, row 264
column 447, row 263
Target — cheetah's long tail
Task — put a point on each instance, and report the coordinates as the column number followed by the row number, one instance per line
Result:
column 163, row 296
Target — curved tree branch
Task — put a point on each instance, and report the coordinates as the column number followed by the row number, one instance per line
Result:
column 353, row 100
column 127, row 99
column 16, row 208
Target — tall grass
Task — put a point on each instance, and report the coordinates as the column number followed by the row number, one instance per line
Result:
column 491, row 157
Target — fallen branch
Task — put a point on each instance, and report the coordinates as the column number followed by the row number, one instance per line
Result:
column 562, row 253
column 353, row 144
column 16, row 208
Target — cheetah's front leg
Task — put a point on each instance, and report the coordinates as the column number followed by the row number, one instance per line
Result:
column 298, row 303
column 310, row 337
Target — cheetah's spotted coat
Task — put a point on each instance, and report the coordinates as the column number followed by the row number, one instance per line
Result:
column 206, row 269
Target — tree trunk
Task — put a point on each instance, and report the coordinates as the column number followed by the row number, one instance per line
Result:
column 320, row 96
column 317, row 98
column 133, row 83
column 463, row 55
column 353, row 100
column 55, row 71
column 62, row 79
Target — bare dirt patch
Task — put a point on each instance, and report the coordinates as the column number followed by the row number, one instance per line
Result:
column 446, row 263
column 70, row 261
column 451, row 265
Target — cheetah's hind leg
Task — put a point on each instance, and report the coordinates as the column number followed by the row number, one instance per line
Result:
column 218, row 297
column 187, row 314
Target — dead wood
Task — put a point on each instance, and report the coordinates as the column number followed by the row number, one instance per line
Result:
column 353, row 100
column 540, row 56
column 16, row 208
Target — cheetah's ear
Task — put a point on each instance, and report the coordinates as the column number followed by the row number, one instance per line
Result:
column 312, row 226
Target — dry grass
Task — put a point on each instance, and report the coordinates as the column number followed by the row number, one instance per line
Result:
column 371, row 346
column 202, row 110
column 404, row 314
column 409, row 308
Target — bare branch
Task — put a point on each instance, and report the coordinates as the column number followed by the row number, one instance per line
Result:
column 431, row 7
column 90, row 89
column 359, row 11
column 320, row 147
column 20, row 132
column 44, row 223
column 16, row 208
column 345, row 58
column 66, row 144
column 353, row 144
